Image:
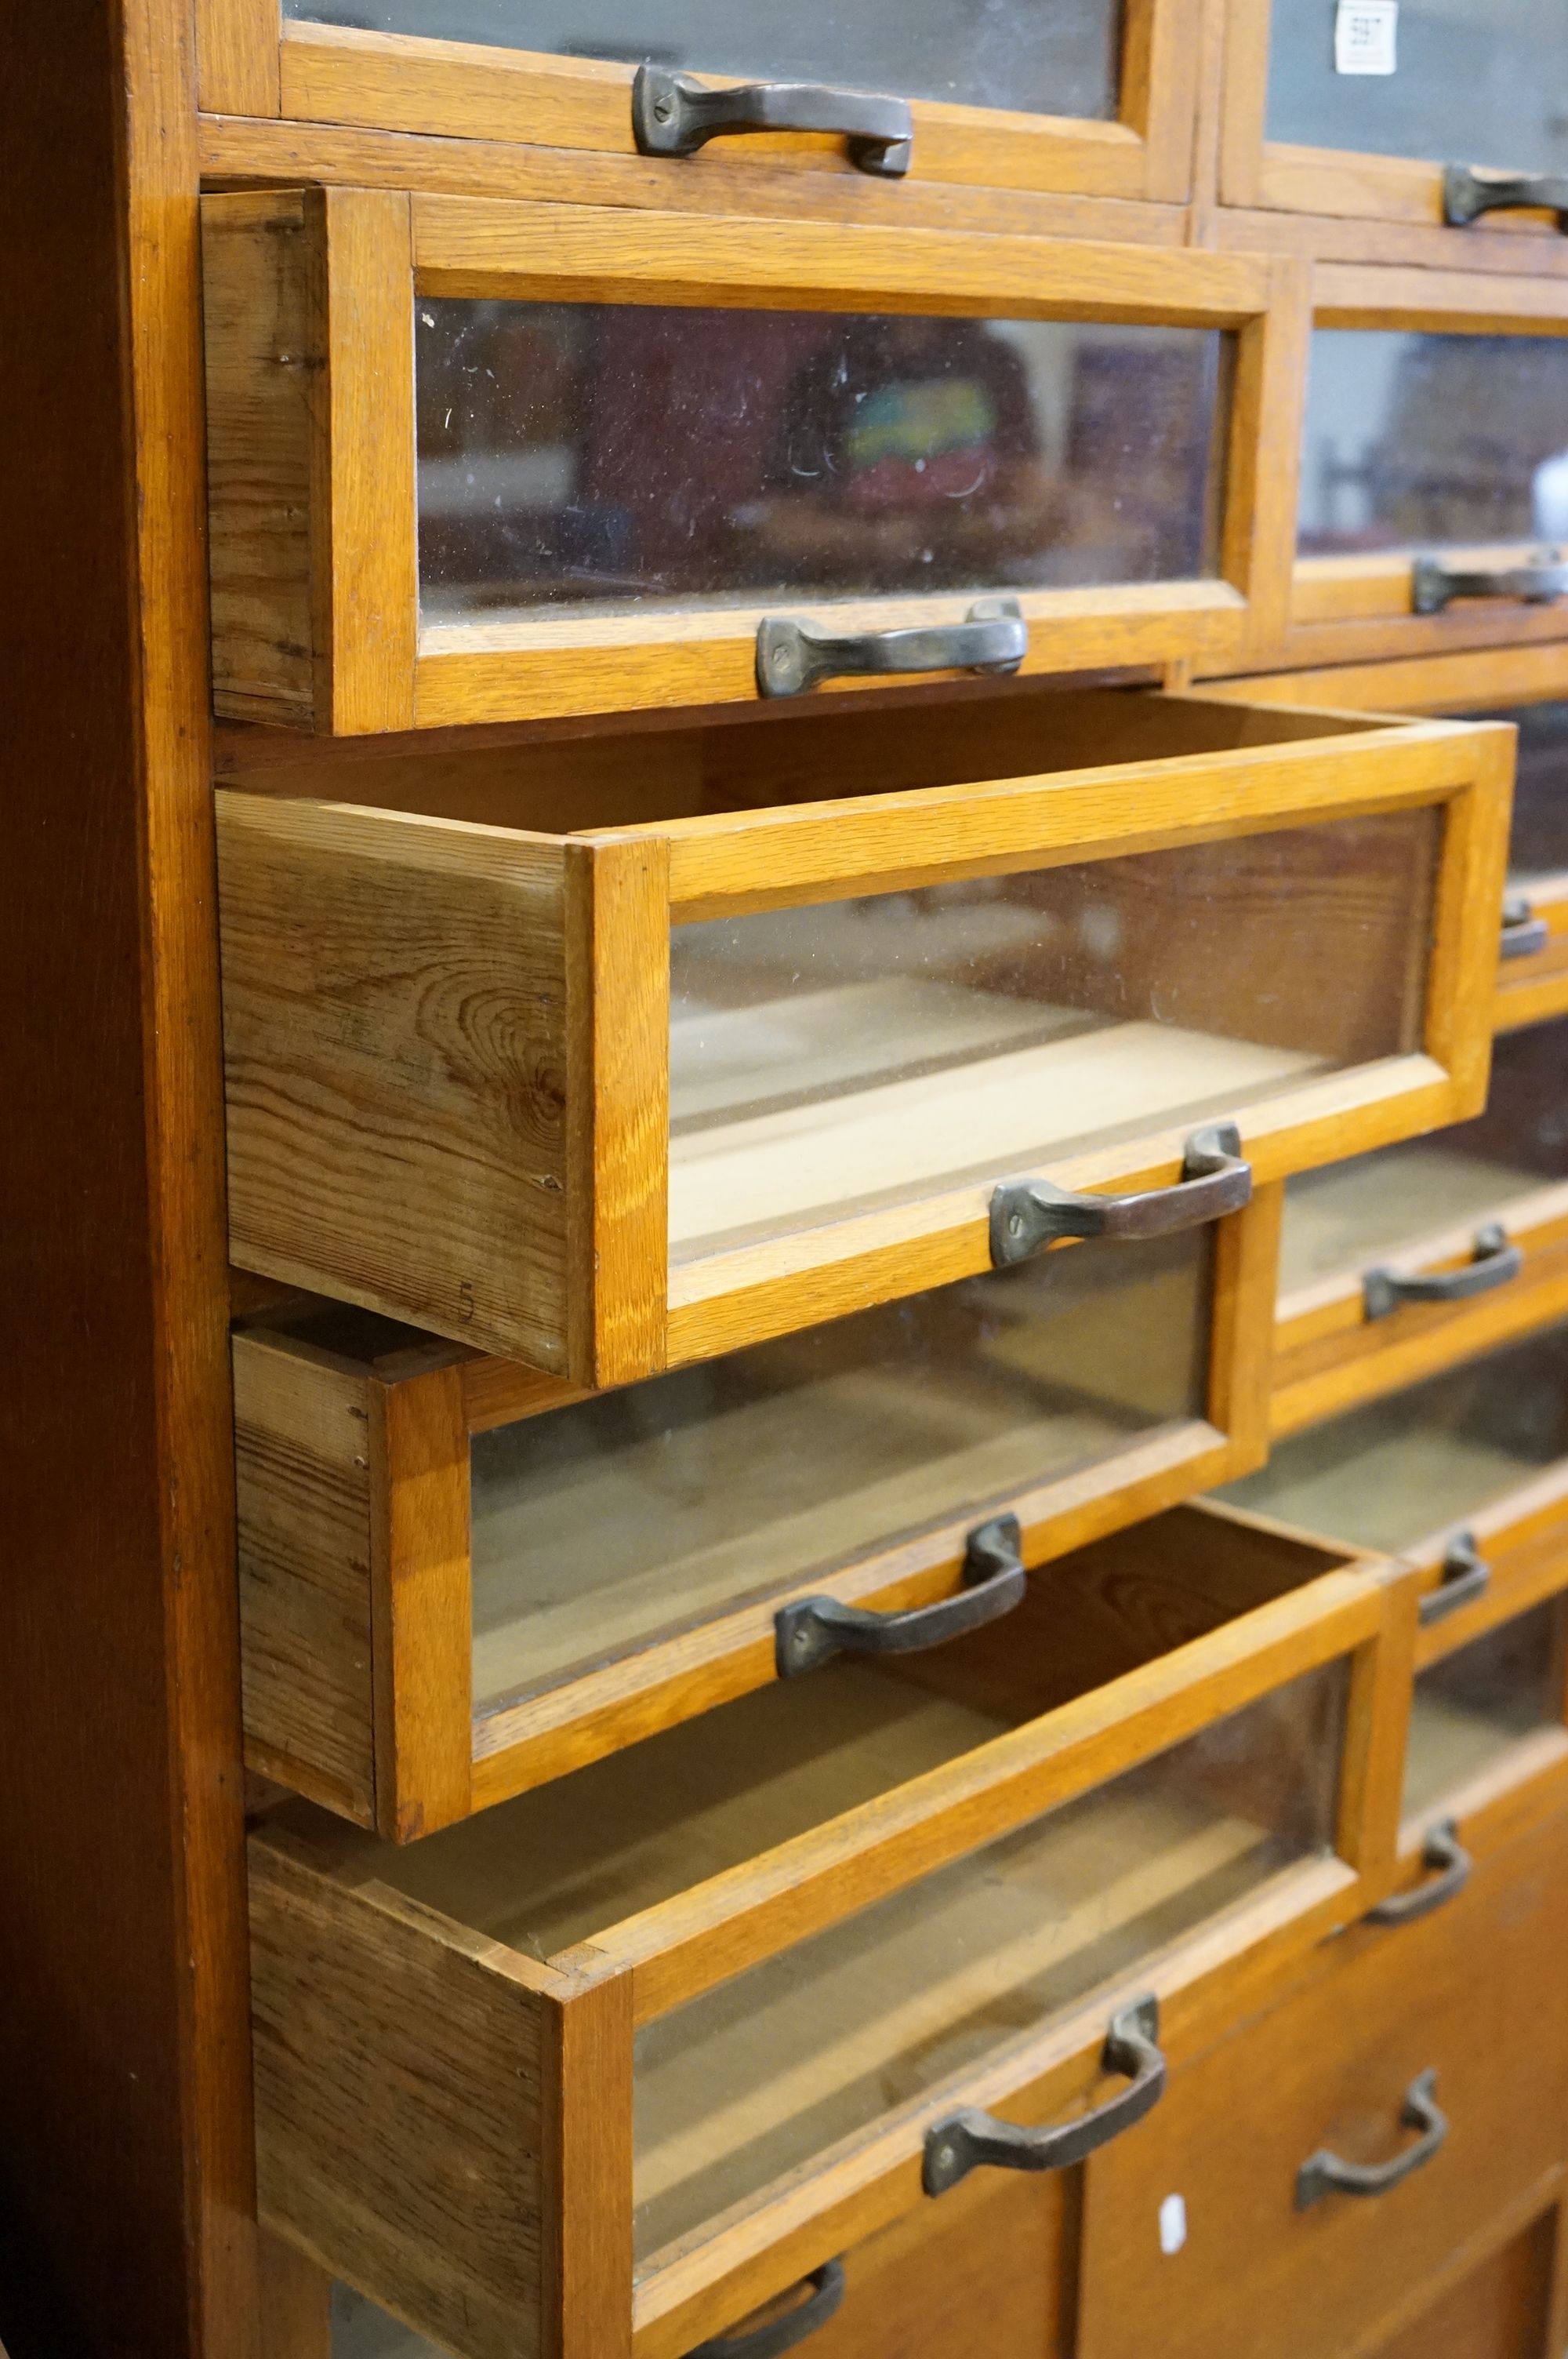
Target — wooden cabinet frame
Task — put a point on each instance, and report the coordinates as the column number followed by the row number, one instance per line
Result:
column 252, row 63
column 399, row 2055
column 311, row 324
column 356, row 1576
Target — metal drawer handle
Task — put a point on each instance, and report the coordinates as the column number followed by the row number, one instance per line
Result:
column 1434, row 585
column 1466, row 1575
column 1468, row 193
column 785, row 2333
column 1029, row 1213
column 1324, row 2173
column 813, row 1629
column 1494, row 1263
column 673, row 116
column 1450, row 1863
column 794, row 657
column 970, row 2140
column 1523, row 932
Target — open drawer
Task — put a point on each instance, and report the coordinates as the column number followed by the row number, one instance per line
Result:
column 1403, row 1261
column 638, row 2050
column 688, row 1052
column 458, row 1579
column 472, row 461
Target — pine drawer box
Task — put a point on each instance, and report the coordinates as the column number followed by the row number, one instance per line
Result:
column 1406, row 1260
column 1346, row 2160
column 458, row 1579
column 631, row 2054
column 473, row 461
column 764, row 1036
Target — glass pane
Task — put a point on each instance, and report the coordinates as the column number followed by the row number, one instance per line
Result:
column 1417, row 441
column 359, row 2330
column 1479, row 81
column 1475, row 1705
column 578, row 455
column 1538, row 847
column 1389, row 1475
column 1044, row 56
column 862, row 1052
column 601, row 1526
column 762, row 2075
column 1342, row 1218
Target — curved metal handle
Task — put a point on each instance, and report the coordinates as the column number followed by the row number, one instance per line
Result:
column 1434, row 585
column 1324, row 2173
column 1466, row 1575
column 1467, row 193
column 970, row 2140
column 794, row 657
column 1523, row 932
column 813, row 1629
column 1029, row 1213
column 1495, row 1262
column 673, row 116
column 1450, row 1863
column 785, row 2333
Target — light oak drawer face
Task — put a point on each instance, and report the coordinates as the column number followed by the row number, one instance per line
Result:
column 1416, row 1255
column 1434, row 499
column 615, row 1098
column 443, row 1603
column 756, row 1959
column 546, row 477
column 1272, row 2269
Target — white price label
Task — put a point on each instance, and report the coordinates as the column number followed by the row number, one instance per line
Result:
column 1173, row 2224
column 1364, row 32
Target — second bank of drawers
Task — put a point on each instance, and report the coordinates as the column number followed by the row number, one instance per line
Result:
column 721, row 1034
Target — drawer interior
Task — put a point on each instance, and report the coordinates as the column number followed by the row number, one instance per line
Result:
column 1338, row 1220
column 1389, row 1475
column 622, row 1518
column 1473, row 1706
column 1470, row 82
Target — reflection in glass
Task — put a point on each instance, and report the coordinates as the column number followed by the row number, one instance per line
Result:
column 1349, row 1214
column 573, row 453
column 359, row 2330
column 864, row 1051
column 601, row 1526
column 769, row 2070
column 1040, row 57
column 1538, row 846
column 1418, row 440
column 1475, row 85
column 1390, row 1475
column 1473, row 1706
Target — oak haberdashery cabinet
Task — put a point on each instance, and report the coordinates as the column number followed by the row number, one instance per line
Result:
column 787, row 1469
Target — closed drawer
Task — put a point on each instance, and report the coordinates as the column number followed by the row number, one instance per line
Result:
column 1499, row 2307
column 546, row 475
column 458, row 1579
column 1096, row 101
column 631, row 2053
column 751, row 1046
column 1413, row 1258
column 1279, row 2260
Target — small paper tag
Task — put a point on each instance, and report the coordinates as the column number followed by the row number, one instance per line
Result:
column 1364, row 37
column 1173, row 2224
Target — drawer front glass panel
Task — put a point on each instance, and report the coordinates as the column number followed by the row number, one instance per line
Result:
column 1472, row 85
column 859, row 1053
column 599, row 1526
column 613, row 456
column 1391, row 1475
column 1040, row 57
column 1475, row 1705
column 1538, row 846
column 765, row 2074
column 1422, row 441
column 1347, row 1215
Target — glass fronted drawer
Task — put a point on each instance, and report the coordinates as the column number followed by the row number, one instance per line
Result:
column 613, row 2058
column 1094, row 100
column 1434, row 470
column 688, row 1053
column 1406, row 1260
column 758, row 457
column 512, row 1579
